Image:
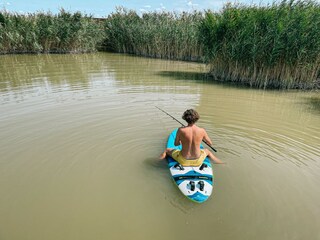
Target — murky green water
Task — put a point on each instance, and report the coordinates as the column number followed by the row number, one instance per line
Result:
column 80, row 137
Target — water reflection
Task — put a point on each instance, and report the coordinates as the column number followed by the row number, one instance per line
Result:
column 22, row 71
column 184, row 75
column 315, row 103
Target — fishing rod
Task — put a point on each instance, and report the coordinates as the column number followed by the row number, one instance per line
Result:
column 184, row 126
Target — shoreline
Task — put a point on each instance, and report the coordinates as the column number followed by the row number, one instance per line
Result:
column 209, row 76
column 272, row 47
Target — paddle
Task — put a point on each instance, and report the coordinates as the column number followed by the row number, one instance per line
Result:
column 184, row 126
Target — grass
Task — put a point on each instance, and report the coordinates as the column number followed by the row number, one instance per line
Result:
column 47, row 33
column 157, row 34
column 275, row 46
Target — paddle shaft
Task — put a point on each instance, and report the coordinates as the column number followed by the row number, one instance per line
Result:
column 184, row 126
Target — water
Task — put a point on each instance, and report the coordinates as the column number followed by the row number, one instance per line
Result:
column 80, row 136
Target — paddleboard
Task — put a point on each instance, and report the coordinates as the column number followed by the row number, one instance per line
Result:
column 195, row 183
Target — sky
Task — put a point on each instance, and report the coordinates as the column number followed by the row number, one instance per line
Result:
column 101, row 8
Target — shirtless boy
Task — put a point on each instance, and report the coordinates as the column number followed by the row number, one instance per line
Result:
column 190, row 137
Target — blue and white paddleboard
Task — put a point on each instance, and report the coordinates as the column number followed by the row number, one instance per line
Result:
column 195, row 183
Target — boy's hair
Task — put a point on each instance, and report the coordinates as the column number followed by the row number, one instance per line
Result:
column 191, row 116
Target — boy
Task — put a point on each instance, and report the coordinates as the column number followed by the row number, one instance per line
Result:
column 190, row 137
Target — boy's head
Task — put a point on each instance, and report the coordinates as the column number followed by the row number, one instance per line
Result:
column 190, row 116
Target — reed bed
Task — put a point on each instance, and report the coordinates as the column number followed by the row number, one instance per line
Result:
column 166, row 35
column 47, row 33
column 273, row 46
column 276, row 46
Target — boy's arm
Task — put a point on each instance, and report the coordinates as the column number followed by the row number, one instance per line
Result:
column 206, row 138
column 177, row 140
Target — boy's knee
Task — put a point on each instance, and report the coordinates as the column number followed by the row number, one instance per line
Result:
column 169, row 151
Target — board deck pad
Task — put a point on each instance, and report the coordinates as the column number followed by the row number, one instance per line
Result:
column 195, row 183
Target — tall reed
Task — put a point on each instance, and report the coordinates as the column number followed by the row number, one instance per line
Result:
column 277, row 45
column 45, row 32
column 157, row 34
column 273, row 46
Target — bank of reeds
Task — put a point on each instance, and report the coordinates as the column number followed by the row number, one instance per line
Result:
column 274, row 46
column 166, row 35
column 48, row 33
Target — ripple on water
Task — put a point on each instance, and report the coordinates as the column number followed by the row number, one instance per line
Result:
column 81, row 134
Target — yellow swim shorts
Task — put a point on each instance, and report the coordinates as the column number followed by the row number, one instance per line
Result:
column 189, row 162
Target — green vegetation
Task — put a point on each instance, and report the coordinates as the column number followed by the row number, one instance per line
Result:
column 162, row 35
column 275, row 46
column 48, row 33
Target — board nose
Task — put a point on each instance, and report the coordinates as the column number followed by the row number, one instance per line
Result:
column 198, row 197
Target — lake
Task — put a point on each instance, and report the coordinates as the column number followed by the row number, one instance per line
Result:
column 80, row 138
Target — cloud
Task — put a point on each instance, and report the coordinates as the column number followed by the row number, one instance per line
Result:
column 190, row 4
column 214, row 4
column 161, row 8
